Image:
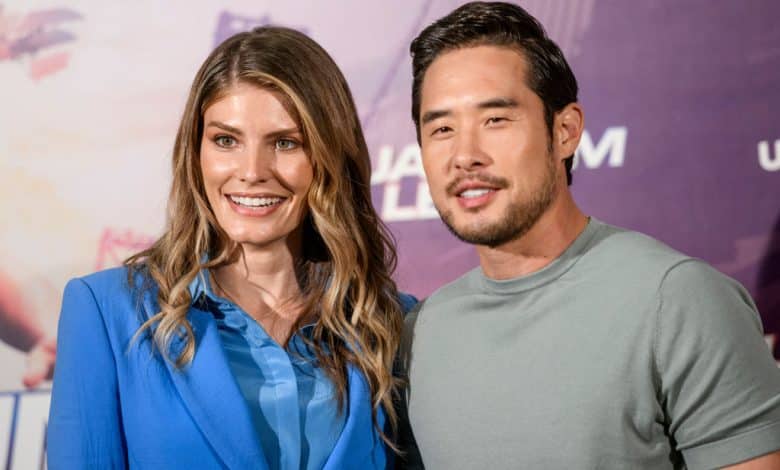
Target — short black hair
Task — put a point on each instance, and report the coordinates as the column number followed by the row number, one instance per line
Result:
column 498, row 24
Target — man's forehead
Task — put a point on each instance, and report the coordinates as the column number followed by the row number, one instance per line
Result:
column 472, row 76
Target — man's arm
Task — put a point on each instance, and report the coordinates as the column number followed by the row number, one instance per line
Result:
column 719, row 384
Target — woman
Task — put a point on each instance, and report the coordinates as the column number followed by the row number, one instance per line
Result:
column 259, row 331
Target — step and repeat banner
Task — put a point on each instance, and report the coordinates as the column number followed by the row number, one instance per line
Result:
column 682, row 142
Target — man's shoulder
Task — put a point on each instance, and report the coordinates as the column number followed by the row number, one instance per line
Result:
column 627, row 252
column 464, row 285
column 637, row 262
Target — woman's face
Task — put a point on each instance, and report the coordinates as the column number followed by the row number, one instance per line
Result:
column 255, row 169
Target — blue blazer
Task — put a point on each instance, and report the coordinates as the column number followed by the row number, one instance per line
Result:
column 118, row 404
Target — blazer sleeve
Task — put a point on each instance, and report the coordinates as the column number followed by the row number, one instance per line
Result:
column 85, row 429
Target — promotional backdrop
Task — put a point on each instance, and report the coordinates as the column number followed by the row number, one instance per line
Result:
column 682, row 140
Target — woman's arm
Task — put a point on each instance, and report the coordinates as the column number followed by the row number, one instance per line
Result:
column 84, row 428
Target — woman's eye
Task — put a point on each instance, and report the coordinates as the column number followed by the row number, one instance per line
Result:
column 225, row 141
column 286, row 144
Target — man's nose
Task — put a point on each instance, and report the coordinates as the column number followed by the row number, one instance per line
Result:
column 468, row 153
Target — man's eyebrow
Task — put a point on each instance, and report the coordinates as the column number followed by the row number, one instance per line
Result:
column 433, row 115
column 498, row 103
column 225, row 127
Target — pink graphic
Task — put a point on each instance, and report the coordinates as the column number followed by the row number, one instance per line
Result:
column 33, row 35
column 116, row 245
column 22, row 329
column 48, row 65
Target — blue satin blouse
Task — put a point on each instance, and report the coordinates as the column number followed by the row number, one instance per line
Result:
column 291, row 400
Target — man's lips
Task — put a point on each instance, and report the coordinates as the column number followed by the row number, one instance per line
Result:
column 475, row 191
column 476, row 186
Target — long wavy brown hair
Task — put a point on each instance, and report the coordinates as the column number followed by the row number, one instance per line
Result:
column 348, row 255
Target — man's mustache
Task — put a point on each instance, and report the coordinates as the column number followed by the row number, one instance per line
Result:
column 496, row 182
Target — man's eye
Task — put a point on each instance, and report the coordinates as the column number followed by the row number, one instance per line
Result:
column 286, row 144
column 441, row 130
column 224, row 141
column 495, row 119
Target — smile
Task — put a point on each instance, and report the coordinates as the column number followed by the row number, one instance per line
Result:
column 474, row 196
column 266, row 201
column 474, row 193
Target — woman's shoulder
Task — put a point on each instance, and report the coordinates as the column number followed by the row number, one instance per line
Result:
column 121, row 288
column 106, row 278
column 113, row 281
column 407, row 301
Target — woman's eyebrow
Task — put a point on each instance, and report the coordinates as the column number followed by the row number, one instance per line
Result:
column 225, row 127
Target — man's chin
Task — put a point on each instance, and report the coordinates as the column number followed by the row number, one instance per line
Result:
column 481, row 233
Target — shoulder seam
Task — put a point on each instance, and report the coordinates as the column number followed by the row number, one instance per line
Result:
column 657, row 331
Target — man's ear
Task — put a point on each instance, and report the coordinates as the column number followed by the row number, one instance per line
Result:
column 567, row 130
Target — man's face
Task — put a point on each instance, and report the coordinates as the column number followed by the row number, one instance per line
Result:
column 486, row 149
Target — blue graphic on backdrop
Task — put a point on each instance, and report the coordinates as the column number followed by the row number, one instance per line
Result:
column 229, row 24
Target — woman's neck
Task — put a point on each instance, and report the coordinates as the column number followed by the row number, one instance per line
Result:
column 265, row 284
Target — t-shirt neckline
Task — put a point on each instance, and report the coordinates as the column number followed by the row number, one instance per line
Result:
column 552, row 271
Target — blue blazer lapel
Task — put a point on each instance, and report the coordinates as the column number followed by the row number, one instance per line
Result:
column 211, row 394
column 359, row 446
column 213, row 398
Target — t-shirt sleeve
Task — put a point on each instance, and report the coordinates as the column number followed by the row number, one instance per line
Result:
column 719, row 385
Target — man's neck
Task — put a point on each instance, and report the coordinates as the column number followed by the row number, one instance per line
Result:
column 549, row 237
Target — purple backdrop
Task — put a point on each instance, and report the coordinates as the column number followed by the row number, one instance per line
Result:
column 681, row 142
column 678, row 97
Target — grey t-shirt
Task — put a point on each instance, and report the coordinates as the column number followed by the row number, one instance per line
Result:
column 622, row 353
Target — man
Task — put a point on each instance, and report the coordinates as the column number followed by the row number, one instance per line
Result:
column 575, row 344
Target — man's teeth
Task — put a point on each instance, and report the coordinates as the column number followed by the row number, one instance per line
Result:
column 471, row 193
column 256, row 201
